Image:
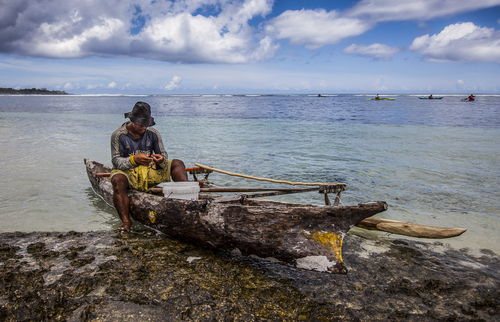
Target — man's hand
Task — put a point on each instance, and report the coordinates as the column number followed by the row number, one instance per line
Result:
column 142, row 159
column 158, row 158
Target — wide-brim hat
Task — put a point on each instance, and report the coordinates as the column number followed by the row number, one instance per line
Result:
column 141, row 115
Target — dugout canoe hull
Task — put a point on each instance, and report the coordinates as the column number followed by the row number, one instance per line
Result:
column 305, row 236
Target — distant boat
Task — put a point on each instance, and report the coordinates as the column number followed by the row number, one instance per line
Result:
column 430, row 98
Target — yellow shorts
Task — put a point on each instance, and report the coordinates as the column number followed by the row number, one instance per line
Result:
column 143, row 178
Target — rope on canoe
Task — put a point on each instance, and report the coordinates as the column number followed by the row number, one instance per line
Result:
column 270, row 180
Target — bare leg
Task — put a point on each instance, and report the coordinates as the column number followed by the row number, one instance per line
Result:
column 120, row 199
column 178, row 171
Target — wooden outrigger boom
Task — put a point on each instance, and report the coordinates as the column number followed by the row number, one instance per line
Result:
column 269, row 180
column 409, row 229
column 385, row 225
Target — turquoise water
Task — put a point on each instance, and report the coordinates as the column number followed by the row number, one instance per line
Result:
column 434, row 162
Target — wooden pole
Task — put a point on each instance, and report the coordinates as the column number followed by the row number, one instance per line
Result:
column 337, row 199
column 257, row 189
column 327, row 200
column 266, row 179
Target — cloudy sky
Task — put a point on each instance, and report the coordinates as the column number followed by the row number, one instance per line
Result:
column 251, row 46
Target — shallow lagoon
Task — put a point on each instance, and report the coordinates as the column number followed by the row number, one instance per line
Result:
column 434, row 162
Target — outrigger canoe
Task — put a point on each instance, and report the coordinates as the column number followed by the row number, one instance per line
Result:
column 430, row 98
column 305, row 236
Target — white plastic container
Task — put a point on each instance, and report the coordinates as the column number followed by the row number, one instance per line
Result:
column 181, row 190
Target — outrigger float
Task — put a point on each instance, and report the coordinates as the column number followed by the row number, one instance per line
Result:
column 302, row 235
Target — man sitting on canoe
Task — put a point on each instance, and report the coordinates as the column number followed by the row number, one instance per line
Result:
column 139, row 159
column 376, row 97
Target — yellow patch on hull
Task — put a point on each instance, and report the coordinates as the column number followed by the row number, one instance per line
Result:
column 152, row 216
column 329, row 240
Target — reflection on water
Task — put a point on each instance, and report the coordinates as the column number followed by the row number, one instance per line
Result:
column 98, row 203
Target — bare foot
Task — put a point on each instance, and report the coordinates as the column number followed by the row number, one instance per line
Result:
column 126, row 226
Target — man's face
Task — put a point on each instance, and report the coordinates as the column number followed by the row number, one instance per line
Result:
column 138, row 128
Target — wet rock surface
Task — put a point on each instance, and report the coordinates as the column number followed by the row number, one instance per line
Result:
column 110, row 276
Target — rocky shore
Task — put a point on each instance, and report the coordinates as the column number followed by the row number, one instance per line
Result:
column 141, row 276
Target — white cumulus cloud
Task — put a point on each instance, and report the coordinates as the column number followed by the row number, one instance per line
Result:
column 161, row 30
column 463, row 42
column 315, row 28
column 423, row 10
column 174, row 83
column 202, row 31
column 376, row 51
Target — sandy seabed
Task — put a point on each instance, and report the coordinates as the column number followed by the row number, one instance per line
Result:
column 141, row 276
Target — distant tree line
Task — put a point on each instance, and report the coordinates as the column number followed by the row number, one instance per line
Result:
column 29, row 91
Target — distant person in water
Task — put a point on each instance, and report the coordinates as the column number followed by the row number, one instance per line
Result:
column 139, row 159
column 431, row 97
column 376, row 97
